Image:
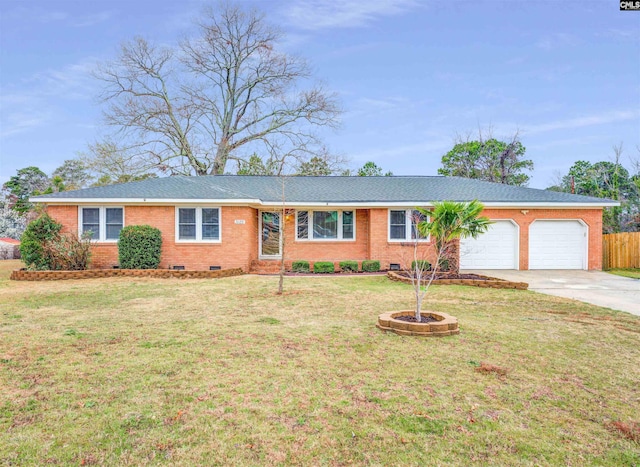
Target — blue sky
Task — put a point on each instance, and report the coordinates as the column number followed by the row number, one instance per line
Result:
column 411, row 74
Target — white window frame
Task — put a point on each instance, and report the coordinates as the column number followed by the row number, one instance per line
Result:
column 102, row 219
column 407, row 227
column 198, row 238
column 340, row 226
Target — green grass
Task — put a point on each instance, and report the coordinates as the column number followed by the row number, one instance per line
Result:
column 225, row 372
column 632, row 273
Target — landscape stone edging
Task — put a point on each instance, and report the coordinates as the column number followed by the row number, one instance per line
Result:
column 445, row 325
column 486, row 281
column 23, row 275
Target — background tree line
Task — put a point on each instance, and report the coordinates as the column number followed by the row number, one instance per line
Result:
column 608, row 179
column 503, row 161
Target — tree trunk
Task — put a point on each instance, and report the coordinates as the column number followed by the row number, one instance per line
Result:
column 418, row 308
column 418, row 273
column 220, row 162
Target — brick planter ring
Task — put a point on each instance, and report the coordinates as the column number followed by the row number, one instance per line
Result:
column 446, row 325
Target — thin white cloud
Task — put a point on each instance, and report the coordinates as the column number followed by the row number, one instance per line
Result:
column 45, row 16
column 621, row 34
column 366, row 103
column 574, row 142
column 420, row 148
column 91, row 20
column 38, row 15
column 603, row 118
column 353, row 50
column 449, row 76
column 328, row 14
column 557, row 40
column 72, row 81
column 554, row 73
column 519, row 60
column 369, row 107
column 13, row 123
column 35, row 101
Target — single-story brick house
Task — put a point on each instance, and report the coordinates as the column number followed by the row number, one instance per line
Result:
column 234, row 221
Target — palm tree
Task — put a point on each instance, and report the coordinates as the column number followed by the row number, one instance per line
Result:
column 446, row 223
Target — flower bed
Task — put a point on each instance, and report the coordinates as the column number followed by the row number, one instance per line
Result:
column 474, row 280
column 24, row 275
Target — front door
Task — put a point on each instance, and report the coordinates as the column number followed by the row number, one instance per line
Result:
column 270, row 238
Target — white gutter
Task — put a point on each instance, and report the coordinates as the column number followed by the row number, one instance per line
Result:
column 141, row 201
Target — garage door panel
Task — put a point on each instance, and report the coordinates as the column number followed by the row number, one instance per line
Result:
column 495, row 249
column 557, row 245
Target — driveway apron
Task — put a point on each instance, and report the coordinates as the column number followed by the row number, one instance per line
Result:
column 595, row 287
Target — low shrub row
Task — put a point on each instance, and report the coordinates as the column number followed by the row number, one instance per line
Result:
column 327, row 267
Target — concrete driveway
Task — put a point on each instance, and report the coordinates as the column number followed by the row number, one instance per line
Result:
column 596, row 287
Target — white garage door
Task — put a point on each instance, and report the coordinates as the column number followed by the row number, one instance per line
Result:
column 495, row 249
column 557, row 245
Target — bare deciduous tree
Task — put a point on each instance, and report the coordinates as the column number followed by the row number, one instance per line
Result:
column 221, row 96
column 111, row 163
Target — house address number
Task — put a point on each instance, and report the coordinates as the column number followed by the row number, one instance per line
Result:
column 240, row 221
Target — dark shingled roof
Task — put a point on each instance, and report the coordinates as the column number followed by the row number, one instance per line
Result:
column 267, row 189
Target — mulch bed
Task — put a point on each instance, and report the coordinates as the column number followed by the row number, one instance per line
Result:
column 337, row 273
column 473, row 280
column 412, row 319
column 447, row 275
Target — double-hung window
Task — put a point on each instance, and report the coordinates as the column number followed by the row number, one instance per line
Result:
column 201, row 224
column 325, row 225
column 101, row 223
column 403, row 225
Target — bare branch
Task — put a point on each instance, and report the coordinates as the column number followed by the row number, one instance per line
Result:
column 225, row 91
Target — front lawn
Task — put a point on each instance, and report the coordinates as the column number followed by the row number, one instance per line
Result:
column 225, row 372
column 632, row 273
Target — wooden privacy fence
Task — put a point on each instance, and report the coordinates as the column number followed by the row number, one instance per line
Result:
column 621, row 250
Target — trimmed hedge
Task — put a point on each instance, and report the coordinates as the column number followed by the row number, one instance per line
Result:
column 349, row 266
column 371, row 265
column 444, row 265
column 139, row 247
column 323, row 267
column 423, row 264
column 300, row 266
column 41, row 230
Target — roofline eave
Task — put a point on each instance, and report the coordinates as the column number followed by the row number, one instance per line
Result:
column 276, row 203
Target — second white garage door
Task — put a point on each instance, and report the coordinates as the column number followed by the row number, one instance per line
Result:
column 557, row 245
column 495, row 249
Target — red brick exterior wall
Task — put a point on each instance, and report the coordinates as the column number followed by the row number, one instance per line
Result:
column 239, row 246
column 328, row 250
